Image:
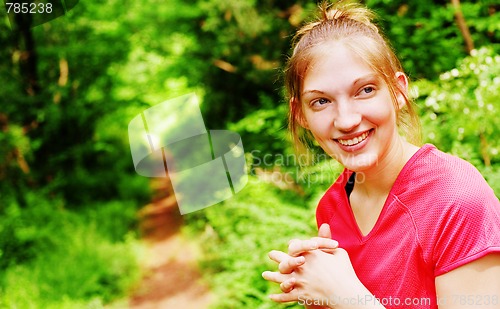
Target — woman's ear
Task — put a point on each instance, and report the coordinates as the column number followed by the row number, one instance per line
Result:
column 297, row 112
column 402, row 94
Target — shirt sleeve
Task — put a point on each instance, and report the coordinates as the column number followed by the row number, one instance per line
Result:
column 469, row 229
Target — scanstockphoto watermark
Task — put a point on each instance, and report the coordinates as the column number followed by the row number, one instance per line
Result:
column 363, row 300
column 290, row 178
column 264, row 160
column 288, row 169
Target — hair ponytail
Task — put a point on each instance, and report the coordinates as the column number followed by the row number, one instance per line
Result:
column 353, row 11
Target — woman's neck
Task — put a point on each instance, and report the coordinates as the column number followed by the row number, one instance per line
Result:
column 379, row 180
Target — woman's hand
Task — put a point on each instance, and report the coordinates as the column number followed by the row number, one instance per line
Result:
column 325, row 278
column 315, row 271
column 288, row 263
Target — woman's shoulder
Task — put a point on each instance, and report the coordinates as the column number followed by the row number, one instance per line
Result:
column 436, row 173
column 430, row 160
column 455, row 212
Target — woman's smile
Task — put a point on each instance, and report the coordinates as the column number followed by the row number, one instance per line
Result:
column 354, row 142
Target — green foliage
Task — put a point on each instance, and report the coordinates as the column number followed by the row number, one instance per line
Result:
column 233, row 51
column 55, row 258
column 57, row 90
column 425, row 34
column 264, row 123
column 459, row 112
column 15, row 151
column 237, row 235
column 248, row 43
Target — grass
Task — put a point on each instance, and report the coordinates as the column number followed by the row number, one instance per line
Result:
column 56, row 258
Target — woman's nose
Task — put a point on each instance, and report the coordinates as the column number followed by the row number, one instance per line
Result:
column 347, row 118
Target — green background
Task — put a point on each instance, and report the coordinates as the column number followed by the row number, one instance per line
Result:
column 68, row 87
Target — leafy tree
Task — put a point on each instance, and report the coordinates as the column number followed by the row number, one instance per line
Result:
column 59, row 87
column 426, row 36
column 459, row 112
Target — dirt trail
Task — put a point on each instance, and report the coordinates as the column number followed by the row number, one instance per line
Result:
column 172, row 279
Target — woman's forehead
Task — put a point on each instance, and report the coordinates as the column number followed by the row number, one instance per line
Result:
column 337, row 64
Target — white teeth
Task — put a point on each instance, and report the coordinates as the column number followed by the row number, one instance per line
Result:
column 354, row 141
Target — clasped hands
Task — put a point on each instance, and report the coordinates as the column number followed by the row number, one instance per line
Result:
column 315, row 269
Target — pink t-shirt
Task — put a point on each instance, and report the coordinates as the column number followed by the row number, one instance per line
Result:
column 440, row 214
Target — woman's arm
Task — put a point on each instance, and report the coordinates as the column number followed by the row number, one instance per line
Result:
column 473, row 285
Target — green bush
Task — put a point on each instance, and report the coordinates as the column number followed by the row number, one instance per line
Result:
column 55, row 258
column 459, row 111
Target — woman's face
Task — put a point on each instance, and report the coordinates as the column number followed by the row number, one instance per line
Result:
column 349, row 109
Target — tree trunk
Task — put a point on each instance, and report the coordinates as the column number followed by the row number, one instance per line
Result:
column 462, row 25
column 28, row 59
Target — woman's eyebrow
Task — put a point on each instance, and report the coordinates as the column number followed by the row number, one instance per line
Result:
column 372, row 77
column 312, row 91
column 367, row 78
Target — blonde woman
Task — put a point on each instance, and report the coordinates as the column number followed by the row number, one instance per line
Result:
column 404, row 226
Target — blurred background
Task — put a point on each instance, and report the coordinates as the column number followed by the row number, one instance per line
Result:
column 78, row 227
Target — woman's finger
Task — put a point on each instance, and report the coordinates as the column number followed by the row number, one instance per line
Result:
column 288, row 265
column 297, row 248
column 275, row 276
column 278, row 256
column 324, row 231
column 288, row 285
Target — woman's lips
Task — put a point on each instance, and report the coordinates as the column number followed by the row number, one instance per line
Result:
column 354, row 143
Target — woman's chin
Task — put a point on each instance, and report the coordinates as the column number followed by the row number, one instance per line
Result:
column 360, row 163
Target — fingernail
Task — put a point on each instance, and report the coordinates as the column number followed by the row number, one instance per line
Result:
column 301, row 260
column 314, row 246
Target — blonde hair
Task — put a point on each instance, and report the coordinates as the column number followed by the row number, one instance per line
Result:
column 351, row 24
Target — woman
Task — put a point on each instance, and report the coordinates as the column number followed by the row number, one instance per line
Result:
column 403, row 226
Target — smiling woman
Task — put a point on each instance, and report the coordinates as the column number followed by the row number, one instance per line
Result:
column 348, row 108
column 403, row 221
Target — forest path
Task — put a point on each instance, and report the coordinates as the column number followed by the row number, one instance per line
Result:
column 171, row 276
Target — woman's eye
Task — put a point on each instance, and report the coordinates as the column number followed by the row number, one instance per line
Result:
column 321, row 101
column 367, row 90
